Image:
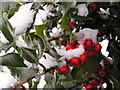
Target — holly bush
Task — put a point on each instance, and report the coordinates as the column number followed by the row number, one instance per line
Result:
column 61, row 40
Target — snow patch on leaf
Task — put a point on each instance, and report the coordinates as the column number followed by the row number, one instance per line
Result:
column 22, row 19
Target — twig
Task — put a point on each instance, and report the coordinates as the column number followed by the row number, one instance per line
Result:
column 25, row 81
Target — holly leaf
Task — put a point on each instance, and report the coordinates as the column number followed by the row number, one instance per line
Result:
column 39, row 30
column 6, row 28
column 29, row 55
column 12, row 10
column 65, row 22
column 6, row 47
column 78, row 74
column 12, row 59
column 68, row 81
column 91, row 65
column 66, row 5
column 40, row 44
column 22, row 73
column 114, row 75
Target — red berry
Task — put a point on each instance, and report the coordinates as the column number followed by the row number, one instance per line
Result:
column 101, row 81
column 14, row 88
column 92, row 7
column 102, row 73
column 63, row 42
column 106, row 62
column 72, row 24
column 97, row 47
column 94, row 82
column 89, row 43
column 74, row 43
column 89, row 87
column 52, row 71
column 77, row 45
column 74, row 62
column 83, row 57
column 89, row 53
column 69, row 46
column 63, row 70
column 77, row 66
column 91, row 48
column 84, row 47
column 22, row 87
column 84, row 84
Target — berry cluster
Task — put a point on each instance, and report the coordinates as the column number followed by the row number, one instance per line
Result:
column 76, row 62
column 93, row 83
column 94, row 6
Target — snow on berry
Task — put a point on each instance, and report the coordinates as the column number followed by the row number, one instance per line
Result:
column 85, row 34
column 68, row 54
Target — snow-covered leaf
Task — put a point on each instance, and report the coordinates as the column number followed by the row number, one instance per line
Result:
column 22, row 73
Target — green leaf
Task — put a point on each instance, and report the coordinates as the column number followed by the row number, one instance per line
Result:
column 29, row 55
column 81, row 17
column 39, row 29
column 68, row 81
column 12, row 10
column 6, row 28
column 53, row 53
column 7, row 46
column 66, row 5
column 22, row 73
column 114, row 75
column 48, row 77
column 40, row 44
column 65, row 22
column 12, row 59
column 78, row 74
column 91, row 65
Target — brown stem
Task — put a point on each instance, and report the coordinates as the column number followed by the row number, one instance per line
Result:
column 25, row 81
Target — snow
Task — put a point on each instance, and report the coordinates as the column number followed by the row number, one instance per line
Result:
column 20, row 42
column 49, row 61
column 6, row 79
column 82, row 10
column 104, row 13
column 87, row 33
column 55, row 32
column 3, row 39
column 68, row 54
column 43, row 14
column 22, row 19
